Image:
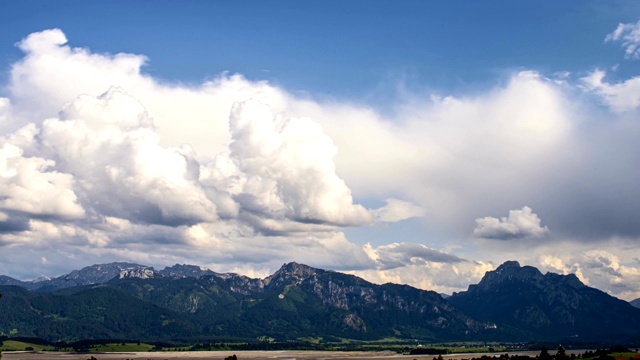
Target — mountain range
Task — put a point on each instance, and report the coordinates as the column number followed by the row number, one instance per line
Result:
column 132, row 301
column 101, row 273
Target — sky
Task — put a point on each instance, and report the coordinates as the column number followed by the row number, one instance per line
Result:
column 413, row 142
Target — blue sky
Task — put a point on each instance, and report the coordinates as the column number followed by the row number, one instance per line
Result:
column 343, row 49
column 415, row 142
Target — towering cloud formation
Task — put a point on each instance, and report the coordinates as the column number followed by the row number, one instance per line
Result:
column 110, row 145
column 279, row 171
column 287, row 171
column 85, row 166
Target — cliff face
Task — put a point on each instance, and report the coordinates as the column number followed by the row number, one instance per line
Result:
column 364, row 307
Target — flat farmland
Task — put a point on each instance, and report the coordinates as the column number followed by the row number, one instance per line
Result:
column 243, row 355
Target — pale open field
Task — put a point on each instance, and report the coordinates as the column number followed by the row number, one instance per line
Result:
column 243, row 355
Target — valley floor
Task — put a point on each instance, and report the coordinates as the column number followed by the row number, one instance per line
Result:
column 244, row 355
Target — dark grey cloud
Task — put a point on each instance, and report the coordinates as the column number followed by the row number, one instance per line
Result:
column 398, row 255
column 596, row 195
column 14, row 222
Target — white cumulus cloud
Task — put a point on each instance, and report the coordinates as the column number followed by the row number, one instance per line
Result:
column 519, row 224
column 109, row 144
column 620, row 96
column 286, row 169
column 29, row 185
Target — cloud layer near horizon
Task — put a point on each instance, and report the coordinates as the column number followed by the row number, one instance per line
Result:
column 100, row 162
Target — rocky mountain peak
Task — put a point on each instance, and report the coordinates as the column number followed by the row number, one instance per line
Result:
column 569, row 280
column 6, row 280
column 552, row 304
column 298, row 270
column 508, row 265
column 99, row 273
column 94, row 274
column 291, row 273
column 140, row 273
column 509, row 271
column 184, row 271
